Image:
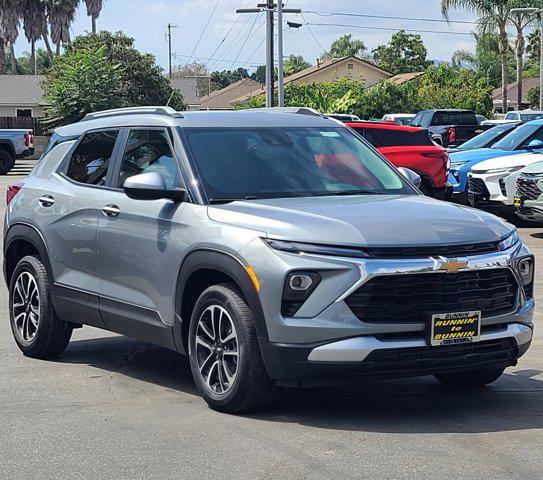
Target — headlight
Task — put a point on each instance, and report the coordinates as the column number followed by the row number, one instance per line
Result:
column 499, row 170
column 316, row 249
column 509, row 242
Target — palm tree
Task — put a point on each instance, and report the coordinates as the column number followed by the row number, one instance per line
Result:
column 9, row 29
column 94, row 7
column 520, row 21
column 61, row 14
column 494, row 15
column 295, row 64
column 34, row 25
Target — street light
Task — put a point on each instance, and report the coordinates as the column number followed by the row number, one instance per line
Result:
column 536, row 11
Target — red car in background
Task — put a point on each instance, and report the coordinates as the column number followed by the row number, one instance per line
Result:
column 410, row 147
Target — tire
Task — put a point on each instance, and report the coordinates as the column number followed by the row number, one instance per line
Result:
column 228, row 370
column 471, row 379
column 7, row 162
column 37, row 330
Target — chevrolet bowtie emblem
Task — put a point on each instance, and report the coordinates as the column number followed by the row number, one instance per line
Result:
column 453, row 265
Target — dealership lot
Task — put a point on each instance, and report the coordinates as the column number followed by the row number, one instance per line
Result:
column 112, row 407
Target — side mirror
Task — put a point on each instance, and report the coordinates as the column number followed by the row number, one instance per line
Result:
column 413, row 177
column 535, row 143
column 152, row 186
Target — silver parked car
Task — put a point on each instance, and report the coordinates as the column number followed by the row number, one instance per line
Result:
column 271, row 248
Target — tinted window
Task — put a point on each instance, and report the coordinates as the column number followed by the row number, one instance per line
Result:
column 519, row 136
column 488, row 138
column 394, row 138
column 148, row 151
column 528, row 117
column 454, row 118
column 90, row 160
column 239, row 163
column 416, row 121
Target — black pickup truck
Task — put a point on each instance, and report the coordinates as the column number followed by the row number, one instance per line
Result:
column 449, row 127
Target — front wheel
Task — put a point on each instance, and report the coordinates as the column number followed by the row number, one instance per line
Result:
column 471, row 379
column 224, row 353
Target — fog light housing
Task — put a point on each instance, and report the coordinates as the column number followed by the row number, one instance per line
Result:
column 526, row 268
column 298, row 287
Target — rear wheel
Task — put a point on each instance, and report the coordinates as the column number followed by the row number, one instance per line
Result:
column 224, row 353
column 7, row 162
column 471, row 379
column 37, row 330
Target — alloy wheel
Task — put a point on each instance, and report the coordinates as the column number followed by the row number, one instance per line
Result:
column 217, row 349
column 26, row 307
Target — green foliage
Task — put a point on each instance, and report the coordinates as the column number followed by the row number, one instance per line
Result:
column 222, row 79
column 130, row 78
column 294, row 64
column 337, row 97
column 260, row 74
column 43, row 61
column 404, row 53
column 80, row 83
column 345, row 46
column 533, row 97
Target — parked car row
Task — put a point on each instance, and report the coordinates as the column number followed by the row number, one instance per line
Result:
column 14, row 143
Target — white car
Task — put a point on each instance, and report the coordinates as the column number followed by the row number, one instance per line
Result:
column 494, row 181
column 399, row 118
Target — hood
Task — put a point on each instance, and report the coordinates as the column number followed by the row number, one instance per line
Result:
column 519, row 160
column 364, row 220
column 478, row 155
column 534, row 168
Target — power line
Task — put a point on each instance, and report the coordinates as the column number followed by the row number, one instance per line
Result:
column 387, row 17
column 225, row 60
column 386, row 28
column 204, row 30
column 246, row 39
column 229, row 50
column 313, row 34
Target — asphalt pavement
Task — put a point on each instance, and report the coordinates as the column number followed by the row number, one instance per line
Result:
column 114, row 408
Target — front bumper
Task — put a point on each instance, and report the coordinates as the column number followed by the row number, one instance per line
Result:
column 492, row 191
column 531, row 211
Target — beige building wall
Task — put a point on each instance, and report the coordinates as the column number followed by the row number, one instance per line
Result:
column 341, row 70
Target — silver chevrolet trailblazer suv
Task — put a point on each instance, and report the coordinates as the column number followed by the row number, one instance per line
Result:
column 271, row 248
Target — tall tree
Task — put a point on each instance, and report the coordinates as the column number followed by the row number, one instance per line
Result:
column 61, row 15
column 405, row 53
column 494, row 15
column 34, row 25
column 9, row 29
column 520, row 21
column 345, row 46
column 94, row 7
column 25, row 63
column 294, row 64
column 259, row 74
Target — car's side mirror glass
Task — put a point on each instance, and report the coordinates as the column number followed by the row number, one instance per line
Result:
column 412, row 176
column 152, row 186
column 535, row 143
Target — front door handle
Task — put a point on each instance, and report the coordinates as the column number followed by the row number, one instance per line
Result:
column 111, row 210
column 46, row 201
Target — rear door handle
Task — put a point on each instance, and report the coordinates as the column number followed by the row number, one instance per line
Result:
column 111, row 210
column 46, row 201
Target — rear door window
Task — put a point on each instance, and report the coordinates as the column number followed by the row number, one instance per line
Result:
column 90, row 160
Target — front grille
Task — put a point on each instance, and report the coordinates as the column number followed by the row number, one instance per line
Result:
column 444, row 251
column 477, row 187
column 528, row 188
column 417, row 360
column 412, row 298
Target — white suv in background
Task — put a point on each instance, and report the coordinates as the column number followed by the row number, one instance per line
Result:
column 494, row 181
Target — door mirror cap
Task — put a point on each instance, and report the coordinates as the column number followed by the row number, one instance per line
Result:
column 152, row 186
column 535, row 143
column 412, row 176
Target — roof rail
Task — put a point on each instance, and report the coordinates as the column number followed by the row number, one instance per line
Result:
column 297, row 110
column 116, row 112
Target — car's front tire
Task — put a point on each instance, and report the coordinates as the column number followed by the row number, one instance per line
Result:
column 37, row 330
column 224, row 353
column 471, row 379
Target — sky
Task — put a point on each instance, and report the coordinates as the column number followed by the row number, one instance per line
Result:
column 146, row 21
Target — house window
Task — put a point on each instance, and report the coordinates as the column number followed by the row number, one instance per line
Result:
column 350, row 66
column 24, row 112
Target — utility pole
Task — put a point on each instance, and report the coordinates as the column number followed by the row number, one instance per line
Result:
column 269, row 8
column 169, row 34
column 280, row 69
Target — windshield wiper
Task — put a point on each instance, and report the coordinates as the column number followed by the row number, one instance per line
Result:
column 229, row 200
column 347, row 192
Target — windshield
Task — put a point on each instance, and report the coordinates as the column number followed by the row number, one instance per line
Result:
column 488, row 138
column 251, row 163
column 517, row 137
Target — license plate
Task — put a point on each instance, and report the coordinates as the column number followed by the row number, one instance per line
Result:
column 453, row 328
column 518, row 202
